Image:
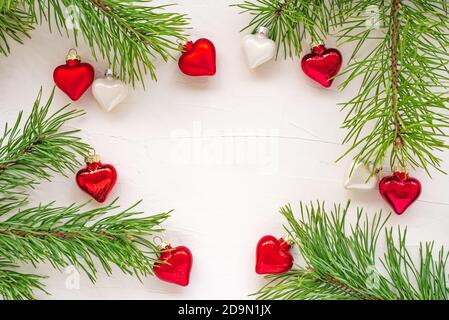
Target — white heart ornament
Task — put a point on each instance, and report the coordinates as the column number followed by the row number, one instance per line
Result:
column 258, row 48
column 109, row 92
column 357, row 178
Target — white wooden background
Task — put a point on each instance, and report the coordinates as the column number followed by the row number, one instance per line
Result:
column 224, row 152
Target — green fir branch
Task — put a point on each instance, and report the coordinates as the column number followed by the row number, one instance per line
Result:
column 31, row 151
column 342, row 263
column 128, row 34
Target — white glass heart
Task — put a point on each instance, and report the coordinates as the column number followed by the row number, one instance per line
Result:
column 109, row 91
column 357, row 178
column 258, row 48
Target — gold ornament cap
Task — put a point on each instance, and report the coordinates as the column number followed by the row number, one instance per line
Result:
column 92, row 158
column 160, row 243
column 288, row 239
column 182, row 44
column 164, row 244
column 72, row 55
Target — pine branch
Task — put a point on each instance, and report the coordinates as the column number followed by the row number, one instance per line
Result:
column 342, row 264
column 15, row 23
column 304, row 284
column 32, row 153
column 395, row 74
column 17, row 286
column 128, row 34
column 290, row 21
column 400, row 111
column 74, row 236
column 61, row 236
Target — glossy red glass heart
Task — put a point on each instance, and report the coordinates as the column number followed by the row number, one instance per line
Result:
column 74, row 78
column 322, row 65
column 399, row 191
column 273, row 256
column 97, row 179
column 198, row 58
column 174, row 265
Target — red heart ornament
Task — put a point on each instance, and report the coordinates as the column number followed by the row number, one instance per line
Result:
column 97, row 179
column 273, row 256
column 198, row 58
column 74, row 78
column 322, row 65
column 174, row 265
column 399, row 191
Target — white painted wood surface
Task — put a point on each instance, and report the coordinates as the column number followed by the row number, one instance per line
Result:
column 224, row 152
